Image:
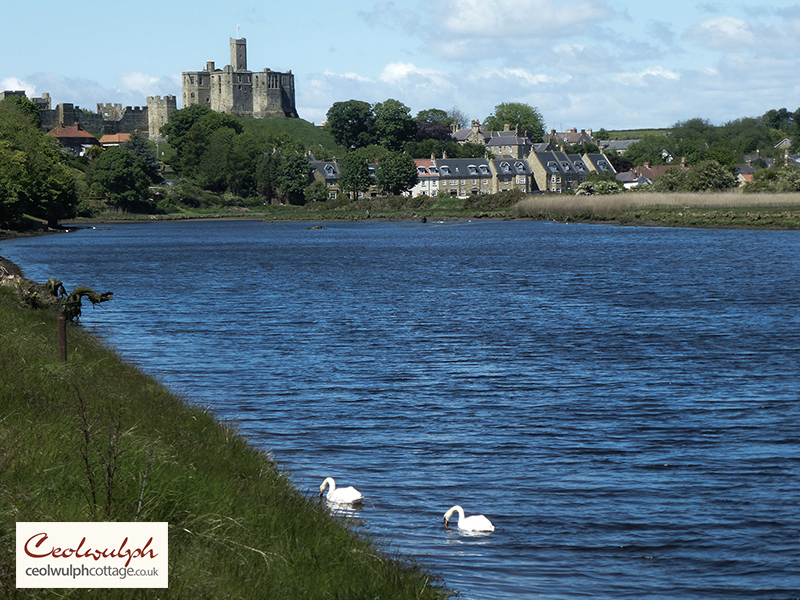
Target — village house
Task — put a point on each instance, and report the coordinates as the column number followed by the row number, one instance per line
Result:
column 571, row 137
column 427, row 178
column 73, row 138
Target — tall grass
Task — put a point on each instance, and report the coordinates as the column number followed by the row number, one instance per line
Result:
column 728, row 209
column 94, row 439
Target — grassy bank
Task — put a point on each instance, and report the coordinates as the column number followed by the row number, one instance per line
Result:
column 728, row 209
column 94, row 439
column 711, row 210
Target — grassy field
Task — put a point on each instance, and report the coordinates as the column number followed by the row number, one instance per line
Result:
column 94, row 439
column 727, row 209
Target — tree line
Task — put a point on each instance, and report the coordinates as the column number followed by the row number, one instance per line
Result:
column 219, row 161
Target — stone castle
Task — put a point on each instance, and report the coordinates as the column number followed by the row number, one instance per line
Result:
column 238, row 91
column 109, row 118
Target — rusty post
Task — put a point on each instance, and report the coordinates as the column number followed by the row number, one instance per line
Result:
column 62, row 338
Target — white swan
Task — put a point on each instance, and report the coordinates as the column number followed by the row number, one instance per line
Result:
column 472, row 523
column 346, row 495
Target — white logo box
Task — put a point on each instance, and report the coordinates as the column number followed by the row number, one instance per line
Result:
column 92, row 555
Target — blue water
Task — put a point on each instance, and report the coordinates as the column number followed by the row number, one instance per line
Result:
column 622, row 403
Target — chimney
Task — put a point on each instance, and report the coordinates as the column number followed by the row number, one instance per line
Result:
column 646, row 164
column 444, row 155
column 77, row 125
column 433, row 156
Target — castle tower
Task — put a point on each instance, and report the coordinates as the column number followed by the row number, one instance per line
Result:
column 239, row 54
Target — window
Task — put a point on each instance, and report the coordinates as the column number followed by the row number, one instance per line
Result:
column 445, row 170
column 553, row 166
column 566, row 166
column 519, row 166
column 421, row 170
column 473, row 170
column 433, row 170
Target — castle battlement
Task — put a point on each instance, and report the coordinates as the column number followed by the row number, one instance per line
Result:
column 236, row 90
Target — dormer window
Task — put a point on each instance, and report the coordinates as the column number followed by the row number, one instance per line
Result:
column 421, row 170
column 520, row 166
column 473, row 170
column 566, row 166
column 505, row 167
column 484, row 170
column 445, row 170
column 553, row 166
column 433, row 170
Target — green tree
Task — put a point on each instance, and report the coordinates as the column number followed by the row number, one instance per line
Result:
column 527, row 117
column 34, row 178
column 351, row 123
column 180, row 122
column 316, row 191
column 292, row 178
column 354, row 175
column 779, row 179
column 710, row 176
column 394, row 125
column 120, row 176
column 397, row 173
column 142, row 147
column 652, row 148
column 27, row 108
column 435, row 115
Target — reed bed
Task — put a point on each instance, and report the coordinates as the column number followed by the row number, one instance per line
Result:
column 723, row 209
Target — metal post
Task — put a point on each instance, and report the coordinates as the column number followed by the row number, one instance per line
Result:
column 62, row 338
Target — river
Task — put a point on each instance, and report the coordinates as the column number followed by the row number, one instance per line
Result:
column 622, row 403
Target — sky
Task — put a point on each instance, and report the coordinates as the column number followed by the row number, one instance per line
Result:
column 589, row 64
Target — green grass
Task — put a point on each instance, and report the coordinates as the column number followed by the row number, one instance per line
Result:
column 312, row 136
column 95, row 439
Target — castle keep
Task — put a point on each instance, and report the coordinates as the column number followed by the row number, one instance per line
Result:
column 238, row 91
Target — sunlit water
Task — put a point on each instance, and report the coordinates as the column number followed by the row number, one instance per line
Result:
column 621, row 403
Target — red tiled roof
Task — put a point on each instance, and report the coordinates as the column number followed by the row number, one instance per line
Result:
column 116, row 138
column 70, row 131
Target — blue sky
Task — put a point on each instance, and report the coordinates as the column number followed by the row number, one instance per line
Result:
column 583, row 63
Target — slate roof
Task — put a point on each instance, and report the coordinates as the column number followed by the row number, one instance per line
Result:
column 511, row 166
column 455, row 168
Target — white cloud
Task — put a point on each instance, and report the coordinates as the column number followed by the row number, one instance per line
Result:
column 139, row 82
column 641, row 78
column 402, row 72
column 520, row 76
column 723, row 32
column 513, row 18
column 14, row 84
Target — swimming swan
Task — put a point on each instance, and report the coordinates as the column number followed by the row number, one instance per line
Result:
column 347, row 495
column 473, row 523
